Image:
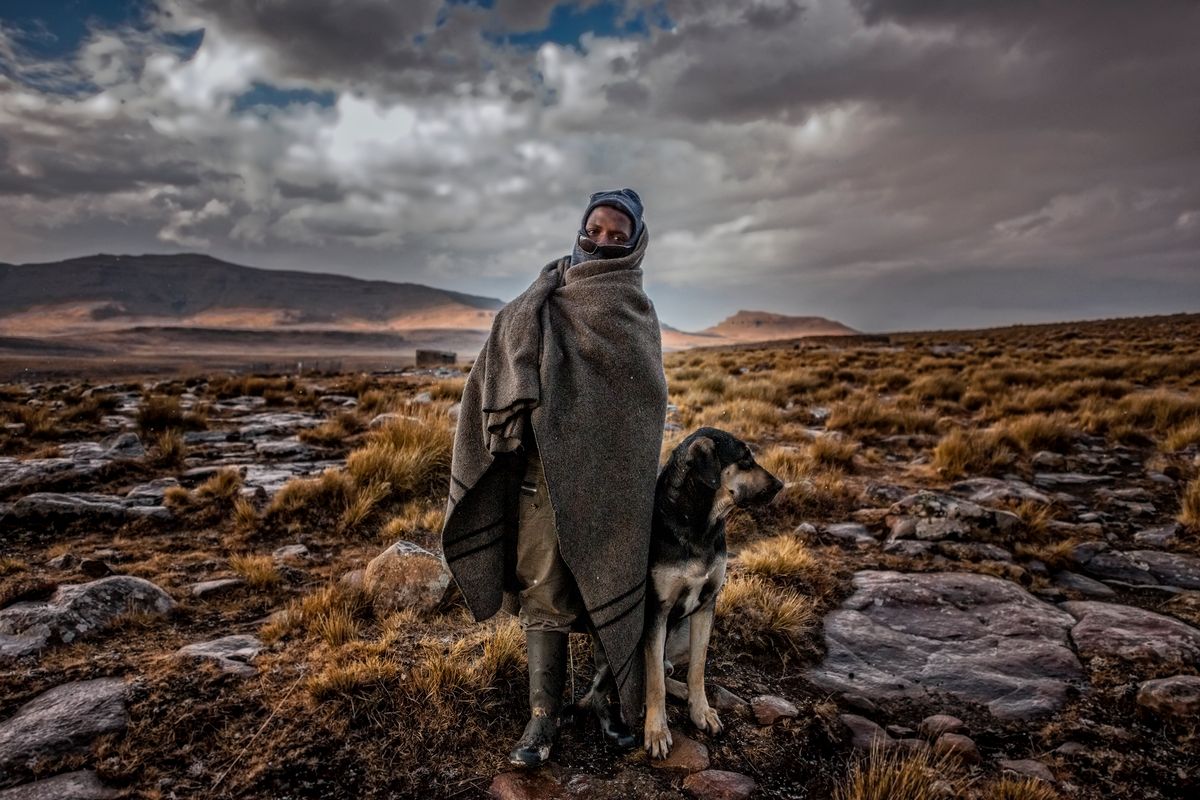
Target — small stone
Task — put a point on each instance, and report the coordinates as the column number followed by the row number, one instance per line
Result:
column 865, row 734
column 1045, row 460
column 1088, row 587
column 95, row 568
column 850, row 532
column 769, row 709
column 231, row 653
column 1164, row 537
column 718, row 784
column 208, row 589
column 1071, row 749
column 65, row 561
column 1028, row 767
column 724, row 700
column 934, row 726
column 959, row 746
column 901, row 731
column 79, row 785
column 687, row 755
column 860, row 702
column 805, row 529
column 290, row 552
column 525, row 785
column 1176, row 698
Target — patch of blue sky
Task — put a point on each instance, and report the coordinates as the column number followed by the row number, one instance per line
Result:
column 266, row 96
column 54, row 29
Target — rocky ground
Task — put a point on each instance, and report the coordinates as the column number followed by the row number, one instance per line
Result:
column 228, row 587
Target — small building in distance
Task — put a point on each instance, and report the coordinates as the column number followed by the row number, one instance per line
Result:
column 436, row 358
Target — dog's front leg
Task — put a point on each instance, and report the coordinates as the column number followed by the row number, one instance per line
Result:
column 703, row 716
column 656, row 735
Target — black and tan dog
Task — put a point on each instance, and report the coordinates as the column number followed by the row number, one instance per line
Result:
column 708, row 473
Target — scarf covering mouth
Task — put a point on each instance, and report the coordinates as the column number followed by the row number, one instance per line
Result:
column 577, row 355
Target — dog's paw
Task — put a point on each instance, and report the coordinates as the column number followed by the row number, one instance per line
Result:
column 705, row 718
column 657, row 740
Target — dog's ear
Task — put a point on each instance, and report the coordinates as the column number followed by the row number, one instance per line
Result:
column 702, row 463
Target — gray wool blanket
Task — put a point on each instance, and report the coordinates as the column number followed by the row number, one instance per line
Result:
column 578, row 355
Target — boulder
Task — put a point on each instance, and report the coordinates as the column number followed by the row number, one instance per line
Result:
column 77, row 611
column 974, row 637
column 80, row 505
column 1176, row 698
column 1131, row 634
column 207, row 590
column 62, row 720
column 406, row 576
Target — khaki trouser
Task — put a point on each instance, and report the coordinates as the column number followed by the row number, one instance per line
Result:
column 550, row 600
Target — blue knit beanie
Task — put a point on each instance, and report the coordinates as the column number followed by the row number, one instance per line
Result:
column 624, row 200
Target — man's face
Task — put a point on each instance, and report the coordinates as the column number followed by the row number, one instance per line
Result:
column 607, row 225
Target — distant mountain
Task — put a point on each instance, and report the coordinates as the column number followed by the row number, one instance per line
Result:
column 195, row 304
column 106, row 292
column 757, row 326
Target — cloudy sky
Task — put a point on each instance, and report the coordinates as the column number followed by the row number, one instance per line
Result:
column 893, row 164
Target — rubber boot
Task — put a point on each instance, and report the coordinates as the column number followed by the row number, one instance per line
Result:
column 604, row 702
column 547, row 676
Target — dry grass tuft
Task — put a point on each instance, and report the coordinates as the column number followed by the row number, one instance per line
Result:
column 867, row 415
column 764, row 615
column 10, row 565
column 334, row 432
column 257, row 570
column 1019, row 789
column 332, row 613
column 895, row 774
column 168, row 448
column 965, row 451
column 222, row 487
column 1189, row 506
column 411, row 455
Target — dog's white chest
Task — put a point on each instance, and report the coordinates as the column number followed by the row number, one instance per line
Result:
column 681, row 585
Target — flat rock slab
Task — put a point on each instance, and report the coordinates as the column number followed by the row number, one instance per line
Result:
column 987, row 491
column 79, row 785
column 231, row 653
column 76, row 505
column 1131, row 634
column 979, row 638
column 1171, row 569
column 62, row 720
column 76, row 612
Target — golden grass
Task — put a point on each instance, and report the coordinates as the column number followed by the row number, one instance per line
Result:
column 159, row 412
column 1183, row 436
column 258, row 571
column 749, row 419
column 765, row 615
column 411, row 455
column 10, row 565
column 332, row 614
column 820, row 494
column 167, row 448
column 966, row 451
column 898, row 774
column 868, row 415
column 780, row 556
column 223, row 486
column 1038, row 432
column 414, row 520
column 245, row 514
column 335, row 431
column 1189, row 505
column 1019, row 789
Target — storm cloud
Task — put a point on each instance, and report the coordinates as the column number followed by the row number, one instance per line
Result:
column 889, row 163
